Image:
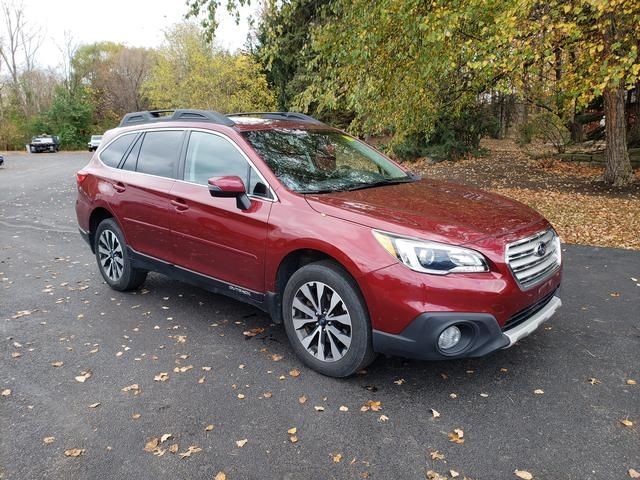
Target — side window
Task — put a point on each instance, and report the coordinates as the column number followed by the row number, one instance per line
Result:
column 112, row 155
column 209, row 156
column 131, row 160
column 159, row 153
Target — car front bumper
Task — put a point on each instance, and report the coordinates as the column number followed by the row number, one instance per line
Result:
column 481, row 333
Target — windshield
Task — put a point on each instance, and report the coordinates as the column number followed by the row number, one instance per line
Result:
column 96, row 137
column 315, row 161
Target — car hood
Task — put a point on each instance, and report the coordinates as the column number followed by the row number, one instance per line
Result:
column 435, row 210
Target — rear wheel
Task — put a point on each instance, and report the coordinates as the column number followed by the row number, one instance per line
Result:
column 326, row 320
column 113, row 260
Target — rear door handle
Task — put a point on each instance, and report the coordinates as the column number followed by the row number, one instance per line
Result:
column 180, row 205
column 119, row 187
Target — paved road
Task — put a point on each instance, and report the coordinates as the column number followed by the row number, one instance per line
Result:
column 572, row 431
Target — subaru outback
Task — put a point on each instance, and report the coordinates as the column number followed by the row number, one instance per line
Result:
column 352, row 252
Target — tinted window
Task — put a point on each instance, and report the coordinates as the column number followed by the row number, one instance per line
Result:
column 212, row 156
column 112, row 155
column 159, row 153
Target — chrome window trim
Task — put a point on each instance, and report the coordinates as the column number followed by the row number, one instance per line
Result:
column 188, row 129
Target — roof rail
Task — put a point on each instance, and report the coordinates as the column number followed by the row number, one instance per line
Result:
column 153, row 116
column 279, row 116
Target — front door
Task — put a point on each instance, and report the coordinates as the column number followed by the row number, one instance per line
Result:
column 212, row 236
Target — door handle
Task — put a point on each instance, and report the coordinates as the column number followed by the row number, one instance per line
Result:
column 180, row 205
column 119, row 187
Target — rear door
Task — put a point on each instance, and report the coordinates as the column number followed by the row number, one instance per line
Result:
column 142, row 185
column 212, row 236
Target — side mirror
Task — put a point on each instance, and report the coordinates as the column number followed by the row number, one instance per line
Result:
column 230, row 187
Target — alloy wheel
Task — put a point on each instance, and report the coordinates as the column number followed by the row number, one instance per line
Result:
column 110, row 255
column 321, row 321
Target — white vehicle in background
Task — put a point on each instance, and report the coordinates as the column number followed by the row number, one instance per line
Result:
column 44, row 143
column 94, row 143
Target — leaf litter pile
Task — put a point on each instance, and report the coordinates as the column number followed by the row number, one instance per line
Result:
column 581, row 208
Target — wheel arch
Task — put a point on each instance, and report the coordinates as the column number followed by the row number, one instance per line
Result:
column 98, row 214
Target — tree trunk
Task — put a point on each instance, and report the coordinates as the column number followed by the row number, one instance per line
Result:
column 618, row 170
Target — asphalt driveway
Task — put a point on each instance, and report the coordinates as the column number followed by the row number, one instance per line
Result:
column 232, row 398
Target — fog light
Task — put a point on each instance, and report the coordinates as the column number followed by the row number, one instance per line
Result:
column 449, row 338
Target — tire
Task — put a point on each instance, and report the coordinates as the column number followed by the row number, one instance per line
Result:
column 336, row 343
column 113, row 260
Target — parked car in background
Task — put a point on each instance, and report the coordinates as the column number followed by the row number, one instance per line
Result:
column 94, row 143
column 44, row 143
column 351, row 251
column 1, row 160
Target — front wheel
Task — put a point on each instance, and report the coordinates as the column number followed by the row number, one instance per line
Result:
column 326, row 320
column 113, row 260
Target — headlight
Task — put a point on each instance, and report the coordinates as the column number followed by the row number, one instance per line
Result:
column 431, row 257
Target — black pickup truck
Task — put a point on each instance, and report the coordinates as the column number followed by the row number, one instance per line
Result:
column 44, row 143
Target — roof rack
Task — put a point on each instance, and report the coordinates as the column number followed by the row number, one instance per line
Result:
column 153, row 116
column 279, row 116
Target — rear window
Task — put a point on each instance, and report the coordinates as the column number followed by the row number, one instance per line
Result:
column 159, row 153
column 112, row 155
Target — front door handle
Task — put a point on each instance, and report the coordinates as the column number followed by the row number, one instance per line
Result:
column 119, row 187
column 180, row 205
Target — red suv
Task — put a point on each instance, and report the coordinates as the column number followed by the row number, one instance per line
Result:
column 352, row 252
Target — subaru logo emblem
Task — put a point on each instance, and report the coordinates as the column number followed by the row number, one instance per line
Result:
column 541, row 249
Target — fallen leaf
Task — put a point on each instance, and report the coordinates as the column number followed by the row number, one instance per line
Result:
column 293, row 439
column 383, row 418
column 434, row 412
column 241, row 443
column 48, row 440
column 594, row 381
column 292, row 431
column 16, row 355
column 454, row 474
column 83, row 376
column 6, row 392
column 173, row 448
column 189, row 451
column 201, row 380
column 538, row 391
column 182, row 369
column 400, row 381
column 136, row 416
column 634, row 473
column 94, row 405
column 436, row 455
column 276, row 357
column 631, row 382
column 431, row 475
column 253, row 332
column 614, row 294
column 294, row 373
column 343, row 408
column 337, row 457
column 626, row 422
column 206, row 369
column 267, row 394
column 220, row 476
column 57, row 364
column 374, row 406
column 151, row 444
column 165, row 437
column 161, row 377
column 453, row 395
column 523, row 474
column 456, row 436
column 135, row 388
column 302, row 399
column 74, row 452
column 241, row 396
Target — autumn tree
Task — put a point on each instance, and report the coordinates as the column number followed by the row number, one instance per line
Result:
column 190, row 73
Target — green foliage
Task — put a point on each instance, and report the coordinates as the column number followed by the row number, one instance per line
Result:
column 189, row 73
column 548, row 128
column 69, row 117
column 453, row 136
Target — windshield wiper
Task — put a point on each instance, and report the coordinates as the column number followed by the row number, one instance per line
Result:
column 380, row 183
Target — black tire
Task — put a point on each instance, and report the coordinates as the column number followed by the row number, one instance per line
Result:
column 127, row 277
column 359, row 353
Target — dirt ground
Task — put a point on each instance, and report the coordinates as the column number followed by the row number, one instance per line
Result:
column 583, row 209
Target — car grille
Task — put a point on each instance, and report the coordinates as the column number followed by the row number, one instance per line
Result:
column 534, row 259
column 531, row 310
